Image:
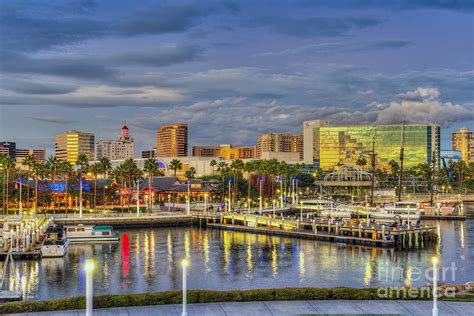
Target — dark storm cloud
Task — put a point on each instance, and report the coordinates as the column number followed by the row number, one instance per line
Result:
column 341, row 47
column 52, row 119
column 31, row 87
column 96, row 68
column 313, row 26
column 162, row 18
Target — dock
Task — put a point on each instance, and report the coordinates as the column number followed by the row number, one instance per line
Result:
column 444, row 217
column 374, row 234
column 34, row 254
column 128, row 221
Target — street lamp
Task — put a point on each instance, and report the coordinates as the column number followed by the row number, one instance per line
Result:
column 188, row 202
column 21, row 204
column 80, row 198
column 184, row 264
column 281, row 192
column 138, row 198
column 273, row 202
column 249, row 201
column 89, row 268
column 230, row 196
column 435, row 287
column 260, row 207
column 205, row 202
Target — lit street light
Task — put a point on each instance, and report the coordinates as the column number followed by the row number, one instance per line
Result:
column 229, row 209
column 89, row 268
column 80, row 198
column 435, row 287
column 138, row 198
column 260, row 207
column 21, row 204
column 184, row 263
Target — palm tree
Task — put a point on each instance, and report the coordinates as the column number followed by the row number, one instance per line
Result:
column 38, row 168
column 95, row 169
column 175, row 165
column 361, row 162
column 83, row 163
column 105, row 168
column 190, row 173
column 29, row 161
column 132, row 173
column 151, row 168
column 222, row 168
column 236, row 167
column 213, row 163
column 65, row 168
column 7, row 164
column 52, row 167
column 120, row 177
column 249, row 168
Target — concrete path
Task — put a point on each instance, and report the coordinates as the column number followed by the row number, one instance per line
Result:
column 284, row 308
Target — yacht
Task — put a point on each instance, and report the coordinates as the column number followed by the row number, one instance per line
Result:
column 399, row 210
column 91, row 233
column 55, row 243
column 326, row 208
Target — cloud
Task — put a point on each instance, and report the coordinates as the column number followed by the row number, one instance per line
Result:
column 52, row 119
column 313, row 26
column 341, row 47
column 31, row 87
column 422, row 105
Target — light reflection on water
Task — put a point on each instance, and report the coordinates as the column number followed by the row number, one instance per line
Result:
column 148, row 260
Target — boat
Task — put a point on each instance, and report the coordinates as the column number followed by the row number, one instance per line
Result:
column 399, row 210
column 327, row 208
column 91, row 233
column 442, row 209
column 55, row 243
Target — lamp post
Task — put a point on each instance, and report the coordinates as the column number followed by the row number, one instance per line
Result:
column 297, row 191
column 169, row 202
column 89, row 268
column 184, row 263
column 435, row 287
column 80, row 198
column 260, row 206
column 138, row 198
column 229, row 209
column 248, row 205
column 188, row 202
column 21, row 204
column 293, row 191
column 281, row 192
column 273, row 208
column 301, row 212
column 205, row 203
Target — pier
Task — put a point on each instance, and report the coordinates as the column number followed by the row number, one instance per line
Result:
column 348, row 232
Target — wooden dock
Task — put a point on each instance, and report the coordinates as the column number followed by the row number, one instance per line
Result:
column 34, row 254
column 444, row 217
column 128, row 221
column 376, row 235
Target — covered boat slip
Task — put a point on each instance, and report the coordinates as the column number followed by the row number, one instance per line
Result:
column 91, row 233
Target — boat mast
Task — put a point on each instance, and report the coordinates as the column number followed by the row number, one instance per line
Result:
column 402, row 149
column 372, row 162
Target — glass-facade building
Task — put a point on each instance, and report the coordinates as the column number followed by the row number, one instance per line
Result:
column 332, row 146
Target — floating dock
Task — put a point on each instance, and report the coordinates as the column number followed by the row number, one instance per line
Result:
column 128, row 221
column 376, row 235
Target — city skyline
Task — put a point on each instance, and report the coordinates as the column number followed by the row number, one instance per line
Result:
column 233, row 69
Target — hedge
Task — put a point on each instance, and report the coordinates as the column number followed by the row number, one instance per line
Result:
column 205, row 296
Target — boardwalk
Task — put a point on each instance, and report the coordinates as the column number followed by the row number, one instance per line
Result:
column 285, row 308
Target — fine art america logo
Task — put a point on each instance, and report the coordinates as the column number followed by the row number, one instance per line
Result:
column 446, row 275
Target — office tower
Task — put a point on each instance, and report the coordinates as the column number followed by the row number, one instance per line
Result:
column 71, row 144
column 172, row 140
column 226, row 151
column 329, row 146
column 280, row 142
column 8, row 148
column 463, row 140
column 148, row 154
column 38, row 153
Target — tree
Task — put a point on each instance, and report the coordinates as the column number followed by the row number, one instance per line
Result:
column 236, row 167
column 175, row 165
column 120, row 176
column 7, row 164
column 190, row 173
column 394, row 167
column 133, row 173
column 361, row 162
column 105, row 167
column 52, row 167
column 83, row 163
column 151, row 168
column 29, row 161
column 65, row 168
column 213, row 163
column 95, row 169
column 222, row 168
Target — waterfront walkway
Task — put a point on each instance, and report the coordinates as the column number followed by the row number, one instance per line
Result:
column 285, row 308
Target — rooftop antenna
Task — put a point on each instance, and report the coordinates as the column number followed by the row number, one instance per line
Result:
column 402, row 150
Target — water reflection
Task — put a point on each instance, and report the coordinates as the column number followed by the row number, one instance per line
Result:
column 148, row 260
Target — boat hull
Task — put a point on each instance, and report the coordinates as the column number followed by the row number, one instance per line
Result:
column 52, row 251
column 94, row 239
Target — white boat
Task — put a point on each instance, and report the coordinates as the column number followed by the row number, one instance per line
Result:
column 327, row 208
column 55, row 243
column 91, row 233
column 399, row 210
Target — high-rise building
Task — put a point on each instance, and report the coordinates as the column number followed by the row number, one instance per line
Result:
column 148, row 154
column 172, row 140
column 71, row 144
column 280, row 142
column 463, row 140
column 37, row 153
column 8, row 148
column 329, row 146
column 123, row 148
column 226, row 151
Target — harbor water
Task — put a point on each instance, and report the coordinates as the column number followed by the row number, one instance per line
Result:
column 148, row 259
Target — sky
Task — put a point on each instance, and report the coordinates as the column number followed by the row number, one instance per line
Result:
column 231, row 69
